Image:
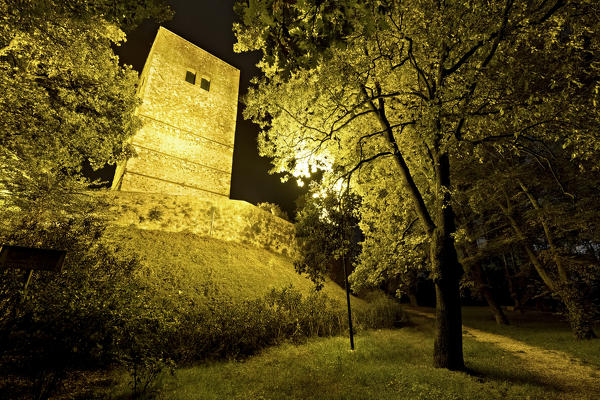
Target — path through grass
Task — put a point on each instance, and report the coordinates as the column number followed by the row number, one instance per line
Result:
column 387, row 364
column 536, row 328
column 551, row 366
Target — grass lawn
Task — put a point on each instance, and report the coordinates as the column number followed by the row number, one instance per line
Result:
column 541, row 329
column 387, row 364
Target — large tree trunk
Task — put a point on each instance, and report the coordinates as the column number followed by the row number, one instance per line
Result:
column 447, row 271
column 447, row 351
column 445, row 267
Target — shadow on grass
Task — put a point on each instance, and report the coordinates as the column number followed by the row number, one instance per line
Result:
column 476, row 368
column 483, row 375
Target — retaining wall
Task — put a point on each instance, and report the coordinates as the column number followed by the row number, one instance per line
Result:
column 222, row 218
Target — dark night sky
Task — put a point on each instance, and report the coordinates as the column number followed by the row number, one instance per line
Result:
column 208, row 24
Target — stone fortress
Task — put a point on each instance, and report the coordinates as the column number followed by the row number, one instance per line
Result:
column 181, row 177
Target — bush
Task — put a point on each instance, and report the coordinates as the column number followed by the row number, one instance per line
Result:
column 226, row 329
column 273, row 209
column 102, row 311
column 72, row 319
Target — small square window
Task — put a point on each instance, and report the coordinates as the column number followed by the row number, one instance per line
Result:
column 205, row 84
column 190, row 77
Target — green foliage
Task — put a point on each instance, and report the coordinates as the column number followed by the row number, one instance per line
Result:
column 223, row 328
column 542, row 207
column 408, row 95
column 107, row 308
column 394, row 249
column 144, row 372
column 155, row 214
column 326, row 230
column 273, row 209
column 127, row 14
column 72, row 319
column 64, row 98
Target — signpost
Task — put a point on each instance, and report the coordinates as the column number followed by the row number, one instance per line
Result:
column 31, row 258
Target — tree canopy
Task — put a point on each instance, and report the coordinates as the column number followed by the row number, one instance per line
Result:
column 418, row 86
column 326, row 233
column 64, row 98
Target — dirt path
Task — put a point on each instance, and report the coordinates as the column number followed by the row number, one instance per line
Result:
column 555, row 367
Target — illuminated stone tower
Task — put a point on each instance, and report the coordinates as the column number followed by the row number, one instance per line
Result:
column 189, row 106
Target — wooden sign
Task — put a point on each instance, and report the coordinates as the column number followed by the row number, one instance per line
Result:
column 31, row 258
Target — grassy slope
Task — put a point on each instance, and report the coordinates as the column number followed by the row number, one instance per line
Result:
column 192, row 263
column 387, row 364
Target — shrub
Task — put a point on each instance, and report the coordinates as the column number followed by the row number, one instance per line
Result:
column 72, row 319
column 273, row 209
column 102, row 311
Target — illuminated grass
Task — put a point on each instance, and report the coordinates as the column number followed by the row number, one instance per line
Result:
column 387, row 364
column 536, row 328
column 218, row 268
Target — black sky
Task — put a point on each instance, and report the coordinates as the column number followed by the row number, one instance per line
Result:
column 208, row 24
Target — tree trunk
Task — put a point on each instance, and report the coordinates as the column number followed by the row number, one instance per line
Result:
column 577, row 314
column 569, row 295
column 445, row 267
column 412, row 299
column 514, row 294
column 447, row 345
column 488, row 295
column 475, row 272
column 562, row 272
column 496, row 310
column 447, row 271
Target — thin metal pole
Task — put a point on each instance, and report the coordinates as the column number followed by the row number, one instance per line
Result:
column 346, row 284
column 348, row 302
column 27, row 280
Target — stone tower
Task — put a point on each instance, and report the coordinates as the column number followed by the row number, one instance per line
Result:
column 189, row 107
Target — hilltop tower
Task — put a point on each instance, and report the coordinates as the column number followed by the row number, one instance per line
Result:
column 189, row 108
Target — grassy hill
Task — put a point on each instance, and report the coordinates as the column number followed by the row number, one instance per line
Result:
column 186, row 263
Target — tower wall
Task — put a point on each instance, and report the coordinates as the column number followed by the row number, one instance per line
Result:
column 185, row 146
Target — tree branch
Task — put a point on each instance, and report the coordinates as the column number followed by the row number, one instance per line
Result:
column 413, row 190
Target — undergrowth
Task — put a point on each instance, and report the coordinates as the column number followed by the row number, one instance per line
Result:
column 104, row 310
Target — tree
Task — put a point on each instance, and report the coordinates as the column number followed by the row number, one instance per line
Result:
column 273, row 209
column 64, row 98
column 545, row 205
column 64, row 101
column 326, row 232
column 394, row 249
column 417, row 83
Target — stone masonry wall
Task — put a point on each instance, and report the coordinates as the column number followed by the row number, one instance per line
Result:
column 186, row 143
column 226, row 219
